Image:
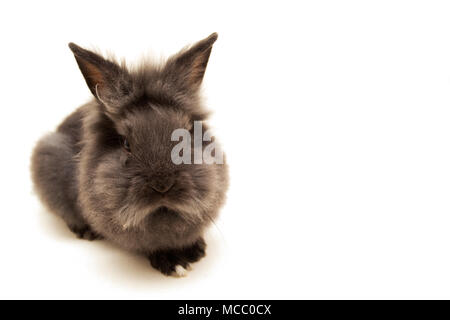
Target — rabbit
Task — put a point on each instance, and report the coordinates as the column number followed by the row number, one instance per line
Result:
column 107, row 170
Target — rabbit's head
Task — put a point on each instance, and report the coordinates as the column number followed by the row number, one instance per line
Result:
column 128, row 140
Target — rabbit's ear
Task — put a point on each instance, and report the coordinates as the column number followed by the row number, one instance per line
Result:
column 108, row 82
column 188, row 66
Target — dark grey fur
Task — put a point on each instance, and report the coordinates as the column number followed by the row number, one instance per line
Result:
column 130, row 192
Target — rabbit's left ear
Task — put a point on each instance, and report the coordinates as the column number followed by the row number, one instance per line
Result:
column 108, row 82
column 188, row 67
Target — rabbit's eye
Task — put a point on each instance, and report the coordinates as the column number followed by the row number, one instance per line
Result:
column 126, row 144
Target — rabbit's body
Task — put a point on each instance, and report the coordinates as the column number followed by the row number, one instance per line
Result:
column 107, row 170
column 55, row 172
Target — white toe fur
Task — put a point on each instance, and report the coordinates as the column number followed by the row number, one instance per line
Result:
column 180, row 271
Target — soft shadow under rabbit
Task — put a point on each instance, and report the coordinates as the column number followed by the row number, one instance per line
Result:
column 107, row 170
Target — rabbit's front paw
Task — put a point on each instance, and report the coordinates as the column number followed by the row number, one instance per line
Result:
column 175, row 262
column 169, row 263
column 85, row 232
column 195, row 252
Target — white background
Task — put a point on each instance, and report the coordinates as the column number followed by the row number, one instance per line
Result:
column 334, row 115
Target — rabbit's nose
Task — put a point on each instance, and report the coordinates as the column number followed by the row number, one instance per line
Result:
column 162, row 186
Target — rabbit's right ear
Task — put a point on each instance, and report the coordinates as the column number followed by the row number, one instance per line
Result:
column 108, row 82
column 188, row 67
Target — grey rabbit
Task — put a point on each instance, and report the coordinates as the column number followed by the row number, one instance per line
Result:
column 107, row 170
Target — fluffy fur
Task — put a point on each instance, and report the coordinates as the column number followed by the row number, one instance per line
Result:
column 107, row 169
